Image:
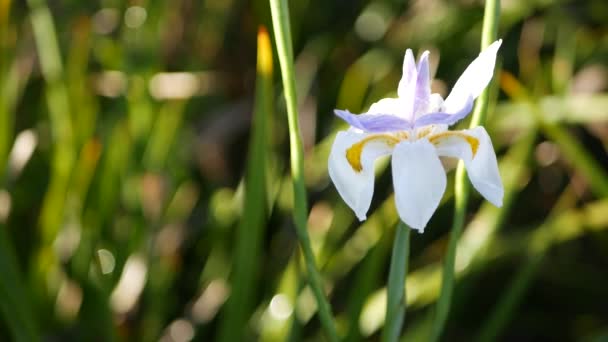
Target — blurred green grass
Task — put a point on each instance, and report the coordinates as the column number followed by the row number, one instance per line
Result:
column 141, row 186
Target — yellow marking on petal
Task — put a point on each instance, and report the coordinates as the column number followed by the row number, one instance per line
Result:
column 471, row 140
column 402, row 135
column 423, row 132
column 353, row 153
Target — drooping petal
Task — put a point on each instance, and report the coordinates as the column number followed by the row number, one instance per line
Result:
column 407, row 85
column 475, row 148
column 446, row 118
column 419, row 181
column 423, row 86
column 374, row 123
column 474, row 79
column 351, row 167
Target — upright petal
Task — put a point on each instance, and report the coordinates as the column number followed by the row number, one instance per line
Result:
column 386, row 106
column 353, row 175
column 407, row 85
column 423, row 86
column 419, row 181
column 475, row 148
column 474, row 79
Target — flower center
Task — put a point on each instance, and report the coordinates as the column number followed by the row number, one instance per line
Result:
column 353, row 153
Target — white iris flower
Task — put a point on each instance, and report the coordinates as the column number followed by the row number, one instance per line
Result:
column 413, row 129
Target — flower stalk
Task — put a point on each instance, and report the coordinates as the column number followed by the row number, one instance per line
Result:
column 396, row 295
column 461, row 195
column 282, row 33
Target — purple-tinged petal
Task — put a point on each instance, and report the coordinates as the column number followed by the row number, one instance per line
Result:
column 374, row 122
column 475, row 78
column 423, row 85
column 445, row 118
column 407, row 85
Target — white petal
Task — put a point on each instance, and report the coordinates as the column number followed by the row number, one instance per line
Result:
column 435, row 103
column 481, row 168
column 385, row 106
column 355, row 187
column 407, row 85
column 474, row 79
column 419, row 181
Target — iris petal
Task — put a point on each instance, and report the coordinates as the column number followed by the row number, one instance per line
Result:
column 386, row 105
column 354, row 180
column 419, row 181
column 407, row 85
column 423, row 85
column 446, row 118
column 480, row 160
column 374, row 123
column 474, row 79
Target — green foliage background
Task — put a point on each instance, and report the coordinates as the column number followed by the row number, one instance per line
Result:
column 145, row 190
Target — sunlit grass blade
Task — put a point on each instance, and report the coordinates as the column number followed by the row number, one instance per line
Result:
column 15, row 304
column 10, row 85
column 165, row 129
column 246, row 261
column 462, row 188
column 396, row 295
column 76, row 75
column 52, row 212
column 282, row 33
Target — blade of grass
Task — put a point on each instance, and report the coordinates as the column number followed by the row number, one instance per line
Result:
column 282, row 32
column 276, row 328
column 396, row 296
column 15, row 305
column 9, row 84
column 165, row 129
column 461, row 190
column 76, row 73
column 251, row 228
column 63, row 156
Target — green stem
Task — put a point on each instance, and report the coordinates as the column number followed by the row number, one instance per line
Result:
column 461, row 196
column 490, row 28
column 280, row 21
column 488, row 36
column 395, row 299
